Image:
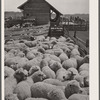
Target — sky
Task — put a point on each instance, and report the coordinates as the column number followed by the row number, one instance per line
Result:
column 64, row 6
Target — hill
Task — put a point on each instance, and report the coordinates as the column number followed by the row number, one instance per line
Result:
column 83, row 16
column 13, row 14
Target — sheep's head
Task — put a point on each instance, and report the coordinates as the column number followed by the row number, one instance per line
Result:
column 20, row 74
column 72, row 87
column 11, row 97
column 80, row 79
column 69, row 76
column 34, row 69
column 14, row 66
column 38, row 76
column 86, row 81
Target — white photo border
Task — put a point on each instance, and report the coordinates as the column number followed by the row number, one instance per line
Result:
column 94, row 49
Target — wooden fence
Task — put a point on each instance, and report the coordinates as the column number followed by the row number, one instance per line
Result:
column 84, row 46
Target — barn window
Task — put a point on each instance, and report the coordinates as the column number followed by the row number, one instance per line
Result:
column 27, row 14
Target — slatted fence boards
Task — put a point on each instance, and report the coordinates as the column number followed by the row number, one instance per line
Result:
column 78, row 41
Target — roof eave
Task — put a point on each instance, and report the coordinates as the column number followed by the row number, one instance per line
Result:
column 53, row 8
column 21, row 6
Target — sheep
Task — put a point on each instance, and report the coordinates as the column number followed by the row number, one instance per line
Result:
column 45, row 46
column 47, row 38
column 67, row 51
column 84, row 66
column 30, row 43
column 21, row 46
column 53, row 38
column 86, row 89
column 51, row 62
column 9, row 47
column 78, row 97
column 49, row 51
column 11, row 61
column 30, row 55
column 48, row 72
column 70, row 63
column 36, row 99
column 20, row 74
column 61, row 39
column 86, row 81
column 11, row 97
column 32, row 38
column 55, row 66
column 78, row 58
column 22, row 62
column 43, row 63
column 21, row 54
column 40, row 38
column 73, row 70
column 53, row 82
column 80, row 79
column 16, row 62
column 75, row 52
column 53, row 57
column 14, row 51
column 41, row 50
column 36, row 61
column 34, row 51
column 33, row 69
column 56, row 94
column 84, row 73
column 85, row 59
column 57, row 52
column 10, row 84
column 72, row 88
column 63, row 75
column 63, row 57
column 38, row 76
column 8, row 71
column 23, row 89
column 70, row 44
column 41, row 90
column 9, row 55
column 70, row 47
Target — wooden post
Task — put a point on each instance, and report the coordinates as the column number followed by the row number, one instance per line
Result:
column 75, row 34
column 68, row 27
column 87, row 43
column 86, row 26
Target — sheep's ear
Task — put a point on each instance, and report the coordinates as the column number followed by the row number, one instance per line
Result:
column 70, row 72
column 48, row 94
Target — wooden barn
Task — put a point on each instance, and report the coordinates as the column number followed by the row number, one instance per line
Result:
column 41, row 11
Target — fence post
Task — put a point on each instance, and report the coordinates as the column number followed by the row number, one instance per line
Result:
column 68, row 27
column 87, row 43
column 75, row 34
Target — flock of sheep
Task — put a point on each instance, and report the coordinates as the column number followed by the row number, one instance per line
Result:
column 46, row 68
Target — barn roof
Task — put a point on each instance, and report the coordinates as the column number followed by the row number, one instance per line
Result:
column 52, row 6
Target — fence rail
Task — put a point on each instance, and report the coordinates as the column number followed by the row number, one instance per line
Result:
column 76, row 27
column 82, row 44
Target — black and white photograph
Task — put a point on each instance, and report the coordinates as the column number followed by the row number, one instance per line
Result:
column 47, row 50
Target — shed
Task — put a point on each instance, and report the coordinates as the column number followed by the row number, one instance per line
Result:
column 41, row 10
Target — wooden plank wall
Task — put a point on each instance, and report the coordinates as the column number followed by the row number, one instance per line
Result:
column 38, row 9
